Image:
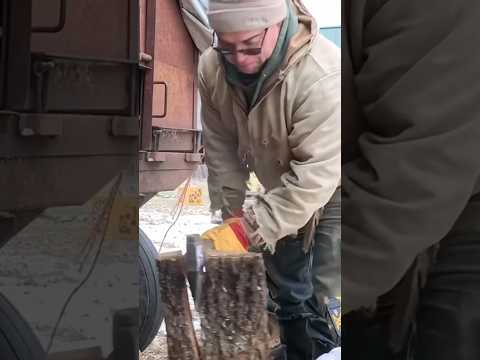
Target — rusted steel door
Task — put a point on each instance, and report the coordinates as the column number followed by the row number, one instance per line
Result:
column 169, row 134
column 175, row 70
column 70, row 106
column 93, row 49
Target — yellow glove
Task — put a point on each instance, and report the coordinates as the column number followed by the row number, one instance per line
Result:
column 228, row 237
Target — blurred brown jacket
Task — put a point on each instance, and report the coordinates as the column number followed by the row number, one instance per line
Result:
column 410, row 138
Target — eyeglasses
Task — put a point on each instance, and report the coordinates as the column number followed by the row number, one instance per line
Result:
column 248, row 51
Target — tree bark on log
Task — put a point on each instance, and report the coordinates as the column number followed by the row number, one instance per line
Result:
column 181, row 340
column 233, row 308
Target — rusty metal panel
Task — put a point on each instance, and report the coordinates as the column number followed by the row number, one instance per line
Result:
column 173, row 102
column 37, row 183
column 75, row 135
column 83, row 60
column 64, row 65
column 48, row 15
column 196, row 158
column 155, row 157
column 124, row 126
column 108, row 22
column 152, row 182
column 174, row 45
column 169, row 100
column 166, row 161
column 175, row 69
column 3, row 50
column 72, row 85
column 143, row 24
column 163, row 171
column 147, row 36
column 167, row 139
column 40, row 126
column 134, row 29
column 16, row 44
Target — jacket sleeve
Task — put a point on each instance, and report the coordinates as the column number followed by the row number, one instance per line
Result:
column 226, row 176
column 419, row 159
column 315, row 166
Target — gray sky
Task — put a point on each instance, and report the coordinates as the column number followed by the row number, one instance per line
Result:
column 326, row 12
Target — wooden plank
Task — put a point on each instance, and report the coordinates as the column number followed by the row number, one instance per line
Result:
column 233, row 308
column 181, row 339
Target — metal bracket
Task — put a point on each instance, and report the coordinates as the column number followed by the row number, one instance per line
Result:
column 155, row 157
column 35, row 125
column 165, row 100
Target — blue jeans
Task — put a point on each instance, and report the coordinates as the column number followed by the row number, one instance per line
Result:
column 326, row 269
column 298, row 282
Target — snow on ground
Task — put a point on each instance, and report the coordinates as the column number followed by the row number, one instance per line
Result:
column 167, row 222
column 176, row 237
column 157, row 216
column 40, row 267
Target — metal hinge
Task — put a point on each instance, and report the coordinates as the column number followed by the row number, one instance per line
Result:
column 155, row 157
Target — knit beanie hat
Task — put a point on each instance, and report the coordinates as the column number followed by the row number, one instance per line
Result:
column 245, row 15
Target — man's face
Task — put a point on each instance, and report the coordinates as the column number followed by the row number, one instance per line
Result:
column 263, row 39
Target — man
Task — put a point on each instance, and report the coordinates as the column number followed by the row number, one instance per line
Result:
column 411, row 180
column 270, row 90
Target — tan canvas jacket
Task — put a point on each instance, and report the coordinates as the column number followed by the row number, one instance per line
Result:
column 290, row 138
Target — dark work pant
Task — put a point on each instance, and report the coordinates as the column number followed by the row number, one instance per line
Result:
column 326, row 269
column 447, row 325
column 448, row 319
column 290, row 273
